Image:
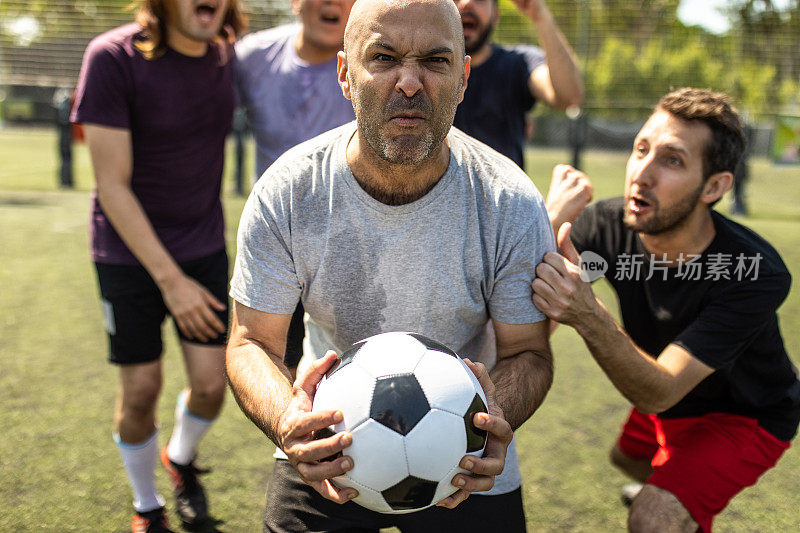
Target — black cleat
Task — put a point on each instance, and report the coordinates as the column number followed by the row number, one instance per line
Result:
column 190, row 498
column 154, row 521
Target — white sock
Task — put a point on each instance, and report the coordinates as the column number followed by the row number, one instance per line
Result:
column 189, row 430
column 140, row 462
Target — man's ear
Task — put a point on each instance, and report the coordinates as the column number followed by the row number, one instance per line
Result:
column 467, row 60
column 716, row 186
column 341, row 68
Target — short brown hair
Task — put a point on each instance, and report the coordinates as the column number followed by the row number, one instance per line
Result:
column 152, row 15
column 724, row 150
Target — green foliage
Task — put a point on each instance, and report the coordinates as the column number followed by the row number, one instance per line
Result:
column 62, row 20
column 613, row 67
column 513, row 27
column 633, row 51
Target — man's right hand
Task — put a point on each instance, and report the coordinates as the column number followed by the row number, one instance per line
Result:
column 192, row 306
column 570, row 191
column 296, row 433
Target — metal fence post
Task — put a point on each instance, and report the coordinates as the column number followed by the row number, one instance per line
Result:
column 741, row 175
column 61, row 101
column 239, row 129
column 577, row 137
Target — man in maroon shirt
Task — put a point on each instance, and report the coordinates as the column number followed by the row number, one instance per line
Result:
column 156, row 99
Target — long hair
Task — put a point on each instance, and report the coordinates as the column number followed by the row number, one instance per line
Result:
column 152, row 16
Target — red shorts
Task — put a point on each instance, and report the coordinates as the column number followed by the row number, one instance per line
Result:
column 704, row 461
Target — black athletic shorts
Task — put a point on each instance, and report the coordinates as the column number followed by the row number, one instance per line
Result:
column 134, row 310
column 294, row 507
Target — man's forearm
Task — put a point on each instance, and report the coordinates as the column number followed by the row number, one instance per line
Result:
column 636, row 374
column 565, row 75
column 521, row 384
column 131, row 223
column 261, row 385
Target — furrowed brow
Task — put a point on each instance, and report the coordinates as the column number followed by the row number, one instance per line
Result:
column 439, row 50
column 381, row 44
column 678, row 149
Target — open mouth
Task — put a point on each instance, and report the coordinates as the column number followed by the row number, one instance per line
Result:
column 470, row 21
column 637, row 204
column 205, row 11
column 330, row 18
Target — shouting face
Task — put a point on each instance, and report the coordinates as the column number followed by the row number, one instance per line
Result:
column 478, row 18
column 405, row 71
column 323, row 21
column 664, row 175
column 191, row 24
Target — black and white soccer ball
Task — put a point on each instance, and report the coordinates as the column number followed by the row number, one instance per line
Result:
column 408, row 402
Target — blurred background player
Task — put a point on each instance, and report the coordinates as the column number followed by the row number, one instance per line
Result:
column 506, row 82
column 716, row 398
column 287, row 84
column 286, row 78
column 156, row 101
column 352, row 222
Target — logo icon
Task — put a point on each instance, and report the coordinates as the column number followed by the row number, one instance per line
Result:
column 593, row 267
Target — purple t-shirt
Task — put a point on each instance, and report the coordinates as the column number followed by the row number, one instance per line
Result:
column 287, row 100
column 179, row 111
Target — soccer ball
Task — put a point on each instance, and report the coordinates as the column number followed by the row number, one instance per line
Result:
column 408, row 402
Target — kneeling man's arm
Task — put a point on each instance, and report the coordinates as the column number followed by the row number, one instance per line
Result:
column 651, row 385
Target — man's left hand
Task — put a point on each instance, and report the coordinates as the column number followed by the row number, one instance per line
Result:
column 558, row 290
column 499, row 435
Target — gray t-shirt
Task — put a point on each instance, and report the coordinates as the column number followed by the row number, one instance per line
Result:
column 287, row 100
column 441, row 266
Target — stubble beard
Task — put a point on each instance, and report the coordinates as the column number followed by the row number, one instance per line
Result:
column 667, row 219
column 403, row 149
column 480, row 40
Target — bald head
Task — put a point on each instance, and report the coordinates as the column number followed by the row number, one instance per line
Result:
column 366, row 15
column 404, row 69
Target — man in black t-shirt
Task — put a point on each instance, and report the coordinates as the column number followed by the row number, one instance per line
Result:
column 505, row 82
column 716, row 398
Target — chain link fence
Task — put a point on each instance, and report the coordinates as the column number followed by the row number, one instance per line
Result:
column 631, row 52
column 42, row 45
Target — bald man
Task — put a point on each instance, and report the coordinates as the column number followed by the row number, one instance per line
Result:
column 394, row 222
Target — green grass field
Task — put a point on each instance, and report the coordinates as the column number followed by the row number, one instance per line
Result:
column 61, row 470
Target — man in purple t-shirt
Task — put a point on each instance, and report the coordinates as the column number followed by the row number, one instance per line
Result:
column 156, row 107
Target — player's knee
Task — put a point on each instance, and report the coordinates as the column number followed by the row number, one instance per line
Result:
column 646, row 515
column 140, row 399
column 641, row 519
column 209, row 393
column 657, row 510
